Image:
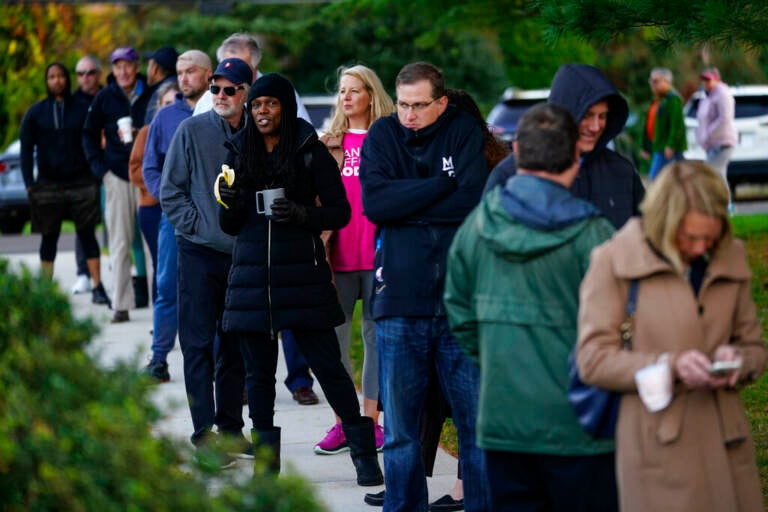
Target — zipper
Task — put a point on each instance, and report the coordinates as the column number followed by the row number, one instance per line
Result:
column 314, row 249
column 269, row 279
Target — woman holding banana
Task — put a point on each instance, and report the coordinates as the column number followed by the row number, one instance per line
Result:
column 279, row 277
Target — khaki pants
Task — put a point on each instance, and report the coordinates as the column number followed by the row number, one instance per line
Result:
column 121, row 207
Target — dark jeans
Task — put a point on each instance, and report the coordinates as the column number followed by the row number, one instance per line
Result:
column 80, row 259
column 202, row 283
column 532, row 482
column 408, row 350
column 321, row 349
column 149, row 222
column 298, row 369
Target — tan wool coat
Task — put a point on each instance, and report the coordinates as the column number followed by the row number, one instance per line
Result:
column 696, row 455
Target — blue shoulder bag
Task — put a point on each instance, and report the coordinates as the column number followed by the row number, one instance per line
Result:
column 598, row 409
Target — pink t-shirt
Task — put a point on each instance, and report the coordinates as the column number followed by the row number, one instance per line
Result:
column 353, row 245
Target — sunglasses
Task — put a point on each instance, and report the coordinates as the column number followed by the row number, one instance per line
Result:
column 230, row 90
column 88, row 72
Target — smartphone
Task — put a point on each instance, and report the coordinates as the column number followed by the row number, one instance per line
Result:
column 724, row 367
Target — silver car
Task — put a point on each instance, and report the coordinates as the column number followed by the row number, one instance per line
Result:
column 14, row 204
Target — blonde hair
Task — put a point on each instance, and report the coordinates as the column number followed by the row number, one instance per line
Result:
column 681, row 187
column 381, row 103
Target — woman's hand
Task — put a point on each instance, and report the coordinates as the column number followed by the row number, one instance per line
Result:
column 728, row 353
column 692, row 367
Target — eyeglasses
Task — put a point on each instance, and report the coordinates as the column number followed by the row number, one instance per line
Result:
column 421, row 105
column 88, row 72
column 229, row 90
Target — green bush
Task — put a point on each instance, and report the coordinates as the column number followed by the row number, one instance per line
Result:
column 76, row 437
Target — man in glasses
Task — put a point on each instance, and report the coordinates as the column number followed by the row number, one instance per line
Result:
column 193, row 70
column 192, row 164
column 245, row 46
column 127, row 96
column 88, row 73
column 422, row 171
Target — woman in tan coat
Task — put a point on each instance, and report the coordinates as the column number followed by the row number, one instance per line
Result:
column 694, row 307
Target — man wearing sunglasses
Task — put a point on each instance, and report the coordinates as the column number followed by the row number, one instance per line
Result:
column 192, row 164
column 88, row 73
column 422, row 171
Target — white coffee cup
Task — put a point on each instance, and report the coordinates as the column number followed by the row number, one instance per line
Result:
column 654, row 385
column 125, row 124
column 265, row 198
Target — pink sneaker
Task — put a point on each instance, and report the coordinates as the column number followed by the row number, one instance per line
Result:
column 378, row 431
column 334, row 442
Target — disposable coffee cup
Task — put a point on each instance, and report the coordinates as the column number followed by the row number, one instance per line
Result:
column 125, row 124
column 654, row 385
column 265, row 198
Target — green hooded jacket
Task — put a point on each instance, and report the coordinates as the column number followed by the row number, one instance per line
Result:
column 512, row 300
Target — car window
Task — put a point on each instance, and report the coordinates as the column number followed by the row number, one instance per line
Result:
column 510, row 111
column 751, row 106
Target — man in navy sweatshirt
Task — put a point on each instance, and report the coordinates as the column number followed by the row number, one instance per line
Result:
column 422, row 171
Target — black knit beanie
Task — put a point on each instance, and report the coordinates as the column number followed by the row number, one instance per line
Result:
column 276, row 86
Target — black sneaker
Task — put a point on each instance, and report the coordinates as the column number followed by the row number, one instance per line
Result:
column 99, row 296
column 212, row 459
column 237, row 446
column 157, row 370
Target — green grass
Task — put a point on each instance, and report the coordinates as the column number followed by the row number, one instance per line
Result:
column 753, row 229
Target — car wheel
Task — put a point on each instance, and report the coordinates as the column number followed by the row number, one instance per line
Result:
column 732, row 183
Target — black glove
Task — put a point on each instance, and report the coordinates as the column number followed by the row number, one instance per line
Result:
column 285, row 210
column 232, row 196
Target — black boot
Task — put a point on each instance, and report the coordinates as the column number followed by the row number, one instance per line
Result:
column 140, row 291
column 362, row 448
column 266, row 450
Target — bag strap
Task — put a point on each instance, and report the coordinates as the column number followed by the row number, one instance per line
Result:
column 627, row 327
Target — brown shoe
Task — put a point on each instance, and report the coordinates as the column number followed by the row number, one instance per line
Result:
column 120, row 316
column 305, row 396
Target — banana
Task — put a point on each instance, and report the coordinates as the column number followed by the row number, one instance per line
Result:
column 228, row 174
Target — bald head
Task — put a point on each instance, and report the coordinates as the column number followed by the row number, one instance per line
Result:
column 88, row 71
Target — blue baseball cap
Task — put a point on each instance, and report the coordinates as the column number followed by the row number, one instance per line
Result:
column 235, row 70
column 124, row 53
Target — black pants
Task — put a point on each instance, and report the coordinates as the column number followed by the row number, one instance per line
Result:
column 321, row 350
column 202, row 283
column 531, row 482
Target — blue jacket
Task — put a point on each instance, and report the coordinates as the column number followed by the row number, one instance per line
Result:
column 159, row 140
column 417, row 187
column 109, row 105
column 605, row 179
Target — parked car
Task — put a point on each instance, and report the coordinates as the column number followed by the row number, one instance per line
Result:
column 14, row 204
column 502, row 119
column 749, row 161
column 320, row 109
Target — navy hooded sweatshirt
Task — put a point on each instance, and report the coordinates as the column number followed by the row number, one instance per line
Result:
column 606, row 179
column 417, row 187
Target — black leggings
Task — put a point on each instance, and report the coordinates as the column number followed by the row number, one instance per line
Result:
column 87, row 236
column 321, row 350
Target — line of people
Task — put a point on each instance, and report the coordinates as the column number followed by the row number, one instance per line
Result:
column 469, row 281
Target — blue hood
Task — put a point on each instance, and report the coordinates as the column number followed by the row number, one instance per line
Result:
column 576, row 87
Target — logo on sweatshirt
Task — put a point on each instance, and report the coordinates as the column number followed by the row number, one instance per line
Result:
column 448, row 166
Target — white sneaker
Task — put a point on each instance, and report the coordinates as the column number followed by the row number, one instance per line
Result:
column 82, row 285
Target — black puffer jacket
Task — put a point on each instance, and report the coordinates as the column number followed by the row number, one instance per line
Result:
column 279, row 277
column 606, row 179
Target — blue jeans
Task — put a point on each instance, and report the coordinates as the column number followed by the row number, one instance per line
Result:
column 658, row 161
column 298, row 369
column 407, row 349
column 164, row 315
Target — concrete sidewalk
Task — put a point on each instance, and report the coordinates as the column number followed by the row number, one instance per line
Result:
column 333, row 476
